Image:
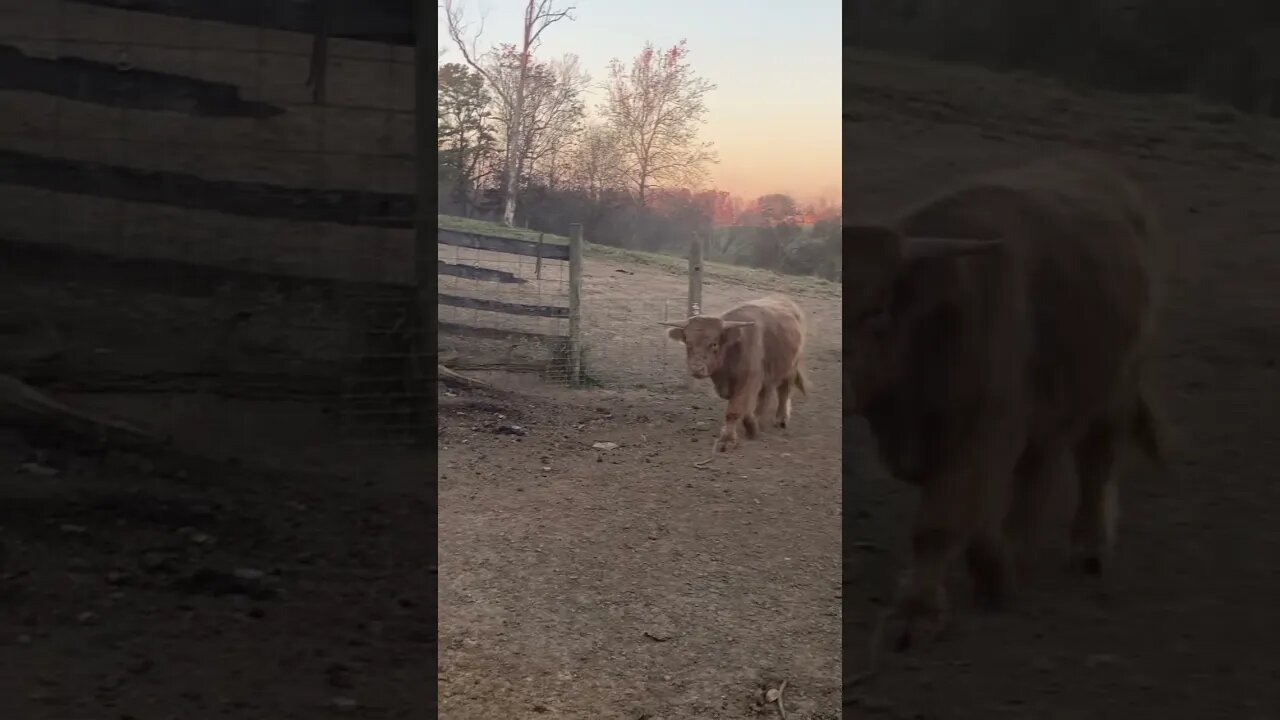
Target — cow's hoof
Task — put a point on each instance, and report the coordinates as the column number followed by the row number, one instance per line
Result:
column 1087, row 558
column 992, row 573
column 920, row 631
column 1088, row 563
column 780, row 423
column 723, row 445
column 902, row 630
column 993, row 589
column 992, row 599
column 751, row 429
column 919, row 617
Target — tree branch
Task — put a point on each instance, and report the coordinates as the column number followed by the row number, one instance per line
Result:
column 453, row 20
column 547, row 17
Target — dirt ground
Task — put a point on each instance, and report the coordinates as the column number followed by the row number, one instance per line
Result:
column 272, row 570
column 217, row 585
column 1186, row 625
column 625, row 582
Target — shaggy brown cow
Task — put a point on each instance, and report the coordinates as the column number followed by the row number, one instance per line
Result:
column 1002, row 327
column 748, row 352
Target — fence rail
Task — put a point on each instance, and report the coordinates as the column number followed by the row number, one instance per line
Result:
column 189, row 191
column 384, row 21
column 513, row 246
column 524, row 295
column 555, row 311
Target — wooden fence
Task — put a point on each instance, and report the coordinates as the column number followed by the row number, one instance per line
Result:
column 482, row 271
column 255, row 162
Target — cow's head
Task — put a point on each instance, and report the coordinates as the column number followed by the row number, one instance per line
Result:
column 892, row 295
column 706, row 340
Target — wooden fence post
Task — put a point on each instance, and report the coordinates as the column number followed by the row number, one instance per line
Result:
column 694, row 306
column 575, row 303
column 537, row 268
column 695, row 276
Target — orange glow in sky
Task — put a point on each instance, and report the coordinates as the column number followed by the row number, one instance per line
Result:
column 775, row 117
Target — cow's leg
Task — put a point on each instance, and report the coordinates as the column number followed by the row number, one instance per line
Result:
column 1036, row 476
column 740, row 408
column 757, row 421
column 988, row 558
column 1093, row 531
column 783, row 415
column 1001, row 496
column 947, row 519
column 959, row 511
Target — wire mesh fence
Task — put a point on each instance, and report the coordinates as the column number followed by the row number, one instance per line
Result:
column 213, row 204
column 503, row 311
column 624, row 346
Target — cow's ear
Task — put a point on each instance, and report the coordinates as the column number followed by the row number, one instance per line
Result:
column 676, row 333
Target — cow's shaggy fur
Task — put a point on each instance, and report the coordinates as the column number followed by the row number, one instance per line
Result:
column 1001, row 327
column 749, row 352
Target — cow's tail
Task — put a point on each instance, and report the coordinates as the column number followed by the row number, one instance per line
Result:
column 800, row 382
column 1148, row 432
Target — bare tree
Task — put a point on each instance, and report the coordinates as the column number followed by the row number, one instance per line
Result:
column 553, row 120
column 553, row 111
column 538, row 16
column 655, row 106
column 595, row 165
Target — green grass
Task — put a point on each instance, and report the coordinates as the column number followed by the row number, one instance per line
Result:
column 481, row 227
column 732, row 273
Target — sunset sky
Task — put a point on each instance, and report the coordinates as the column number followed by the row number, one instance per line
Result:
column 775, row 117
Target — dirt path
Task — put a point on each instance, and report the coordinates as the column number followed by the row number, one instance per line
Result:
column 1186, row 625
column 133, row 588
column 628, row 583
column 291, row 575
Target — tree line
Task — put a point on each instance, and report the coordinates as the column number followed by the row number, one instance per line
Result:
column 518, row 144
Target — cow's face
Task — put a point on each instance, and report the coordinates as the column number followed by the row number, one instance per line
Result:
column 891, row 297
column 706, row 341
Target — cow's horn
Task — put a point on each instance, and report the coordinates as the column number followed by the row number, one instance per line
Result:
column 935, row 247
